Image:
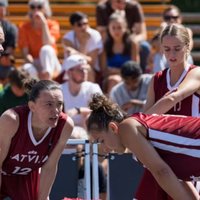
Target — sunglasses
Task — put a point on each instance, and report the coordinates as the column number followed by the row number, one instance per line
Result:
column 80, row 24
column 168, row 17
column 33, row 7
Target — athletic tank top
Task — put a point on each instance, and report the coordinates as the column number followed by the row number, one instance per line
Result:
column 25, row 153
column 190, row 106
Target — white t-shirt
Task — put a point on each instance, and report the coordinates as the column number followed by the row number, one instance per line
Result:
column 81, row 99
column 94, row 42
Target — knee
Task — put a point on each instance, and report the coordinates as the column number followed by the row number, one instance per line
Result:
column 47, row 50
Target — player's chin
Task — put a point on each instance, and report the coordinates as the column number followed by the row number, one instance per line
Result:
column 52, row 122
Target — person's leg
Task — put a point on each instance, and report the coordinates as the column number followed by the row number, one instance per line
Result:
column 50, row 64
column 31, row 69
column 145, row 49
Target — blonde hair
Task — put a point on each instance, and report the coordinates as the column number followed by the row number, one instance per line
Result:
column 178, row 31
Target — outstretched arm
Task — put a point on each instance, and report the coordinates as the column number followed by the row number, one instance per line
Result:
column 132, row 135
column 189, row 86
column 48, row 171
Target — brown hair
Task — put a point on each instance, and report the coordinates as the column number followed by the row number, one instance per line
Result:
column 33, row 87
column 103, row 112
column 172, row 7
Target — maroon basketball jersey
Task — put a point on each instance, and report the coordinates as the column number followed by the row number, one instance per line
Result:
column 26, row 154
column 177, row 140
column 190, row 106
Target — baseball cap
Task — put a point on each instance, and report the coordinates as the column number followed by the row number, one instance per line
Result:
column 73, row 61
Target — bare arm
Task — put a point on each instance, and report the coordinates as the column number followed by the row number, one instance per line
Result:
column 47, row 38
column 27, row 56
column 135, row 52
column 132, row 135
column 189, row 86
column 9, row 123
column 48, row 172
column 150, row 96
column 139, row 31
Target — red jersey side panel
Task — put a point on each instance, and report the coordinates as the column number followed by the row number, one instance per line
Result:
column 177, row 145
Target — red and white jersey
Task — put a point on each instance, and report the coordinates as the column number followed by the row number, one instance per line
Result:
column 27, row 154
column 177, row 140
column 190, row 106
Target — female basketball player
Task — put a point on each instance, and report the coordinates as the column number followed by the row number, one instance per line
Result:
column 162, row 148
column 175, row 90
column 32, row 138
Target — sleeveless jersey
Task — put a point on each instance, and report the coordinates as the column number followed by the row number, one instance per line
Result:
column 190, row 106
column 179, row 145
column 26, row 154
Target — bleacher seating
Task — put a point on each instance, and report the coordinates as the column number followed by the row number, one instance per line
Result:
column 61, row 9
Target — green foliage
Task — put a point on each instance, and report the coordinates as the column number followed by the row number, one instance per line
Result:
column 187, row 5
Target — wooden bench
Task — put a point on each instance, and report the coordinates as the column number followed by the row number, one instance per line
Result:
column 87, row 1
column 66, row 9
column 65, row 24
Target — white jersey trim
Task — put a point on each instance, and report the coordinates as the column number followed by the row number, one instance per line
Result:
column 30, row 131
column 190, row 152
column 195, row 106
column 179, row 80
column 176, row 139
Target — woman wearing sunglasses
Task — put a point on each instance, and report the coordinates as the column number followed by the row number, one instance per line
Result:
column 37, row 39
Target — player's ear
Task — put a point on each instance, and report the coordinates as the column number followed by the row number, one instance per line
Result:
column 113, row 126
column 31, row 106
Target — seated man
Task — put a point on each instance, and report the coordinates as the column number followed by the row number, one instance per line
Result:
column 77, row 91
column 130, row 94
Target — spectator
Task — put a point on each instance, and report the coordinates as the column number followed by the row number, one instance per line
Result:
column 13, row 93
column 84, row 40
column 10, row 30
column 171, row 15
column 134, row 16
column 7, row 62
column 131, row 93
column 77, row 91
column 157, row 61
column 37, row 39
column 118, row 49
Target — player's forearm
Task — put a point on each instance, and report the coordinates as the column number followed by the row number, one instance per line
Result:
column 169, row 182
column 47, row 178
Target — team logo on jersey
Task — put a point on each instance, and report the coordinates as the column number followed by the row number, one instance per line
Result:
column 30, row 157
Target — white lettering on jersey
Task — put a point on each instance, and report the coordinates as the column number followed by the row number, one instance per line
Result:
column 31, row 157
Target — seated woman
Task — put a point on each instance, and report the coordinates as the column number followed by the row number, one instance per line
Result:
column 118, row 48
column 162, row 143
